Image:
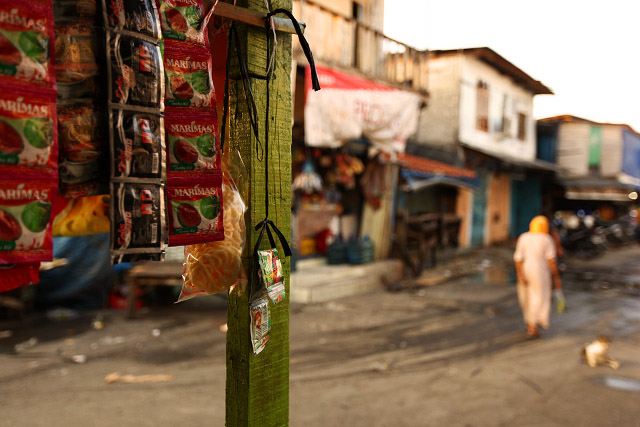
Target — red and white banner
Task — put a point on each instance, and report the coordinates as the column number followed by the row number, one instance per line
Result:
column 350, row 107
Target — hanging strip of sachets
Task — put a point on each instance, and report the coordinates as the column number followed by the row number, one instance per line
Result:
column 194, row 178
column 28, row 146
column 135, row 96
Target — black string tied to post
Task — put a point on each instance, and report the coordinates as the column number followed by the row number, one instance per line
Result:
column 266, row 225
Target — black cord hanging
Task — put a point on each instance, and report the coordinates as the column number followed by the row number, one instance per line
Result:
column 262, row 153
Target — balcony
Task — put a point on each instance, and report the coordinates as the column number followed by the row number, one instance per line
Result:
column 344, row 43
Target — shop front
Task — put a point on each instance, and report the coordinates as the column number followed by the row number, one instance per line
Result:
column 345, row 172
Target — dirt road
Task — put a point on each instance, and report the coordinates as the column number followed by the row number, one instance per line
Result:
column 452, row 354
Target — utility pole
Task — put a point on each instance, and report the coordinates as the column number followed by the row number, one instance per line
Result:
column 257, row 391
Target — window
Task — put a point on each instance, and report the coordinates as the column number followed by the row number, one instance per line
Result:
column 482, row 107
column 522, row 126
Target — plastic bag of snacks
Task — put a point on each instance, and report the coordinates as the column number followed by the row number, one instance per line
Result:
column 214, row 267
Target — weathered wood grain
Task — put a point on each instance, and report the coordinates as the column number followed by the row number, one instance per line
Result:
column 258, row 386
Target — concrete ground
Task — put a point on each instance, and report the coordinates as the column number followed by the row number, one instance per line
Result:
column 452, row 354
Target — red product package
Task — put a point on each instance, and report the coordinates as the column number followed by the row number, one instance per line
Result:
column 15, row 275
column 183, row 20
column 195, row 210
column 25, row 220
column 26, row 41
column 28, row 129
column 192, row 142
column 187, row 70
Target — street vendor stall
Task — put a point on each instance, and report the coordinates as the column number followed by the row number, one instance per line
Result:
column 143, row 156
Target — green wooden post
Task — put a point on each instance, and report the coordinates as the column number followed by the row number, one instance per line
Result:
column 258, row 386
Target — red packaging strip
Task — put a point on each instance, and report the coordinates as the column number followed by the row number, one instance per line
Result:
column 25, row 221
column 192, row 142
column 28, row 128
column 195, row 211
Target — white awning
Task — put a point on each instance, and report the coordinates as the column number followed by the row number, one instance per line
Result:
column 350, row 107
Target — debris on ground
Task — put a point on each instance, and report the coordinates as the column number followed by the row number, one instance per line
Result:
column 26, row 345
column 116, row 377
column 79, row 358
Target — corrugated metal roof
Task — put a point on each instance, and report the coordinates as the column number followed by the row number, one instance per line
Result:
column 433, row 167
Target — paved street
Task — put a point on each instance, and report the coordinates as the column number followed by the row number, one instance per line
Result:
column 453, row 354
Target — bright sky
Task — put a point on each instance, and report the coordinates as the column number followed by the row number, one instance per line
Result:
column 586, row 51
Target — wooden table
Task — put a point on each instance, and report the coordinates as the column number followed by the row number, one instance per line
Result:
column 168, row 273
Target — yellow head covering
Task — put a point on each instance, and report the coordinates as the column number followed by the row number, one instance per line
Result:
column 539, row 224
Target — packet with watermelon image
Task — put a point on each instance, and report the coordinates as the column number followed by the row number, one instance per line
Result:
column 182, row 20
column 138, row 221
column 83, row 149
column 195, row 210
column 137, row 144
column 25, row 216
column 26, row 41
column 187, row 70
column 135, row 72
column 28, row 129
column 192, row 141
column 136, row 17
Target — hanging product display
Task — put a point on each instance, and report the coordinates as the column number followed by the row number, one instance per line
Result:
column 137, row 221
column 83, row 156
column 188, row 75
column 82, row 128
column 136, row 130
column 135, row 72
column 137, row 144
column 194, row 182
column 138, row 18
column 28, row 142
column 195, row 211
column 260, row 324
column 217, row 266
column 182, row 20
column 27, row 125
column 25, row 214
column 26, row 42
column 191, row 142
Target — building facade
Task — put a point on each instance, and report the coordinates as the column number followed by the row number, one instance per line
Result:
column 480, row 114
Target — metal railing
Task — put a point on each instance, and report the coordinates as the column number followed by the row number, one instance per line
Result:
column 342, row 42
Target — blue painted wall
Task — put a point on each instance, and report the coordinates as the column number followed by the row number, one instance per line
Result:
column 631, row 156
column 526, row 202
column 479, row 209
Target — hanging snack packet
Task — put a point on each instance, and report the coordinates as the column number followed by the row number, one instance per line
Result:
column 270, row 267
column 75, row 9
column 137, row 17
column 77, row 51
column 15, row 275
column 215, row 267
column 135, row 72
column 26, row 41
column 277, row 292
column 187, row 71
column 137, row 220
column 191, row 141
column 27, row 129
column 83, row 149
column 260, row 324
column 195, row 211
column 182, row 20
column 137, row 144
column 25, row 215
